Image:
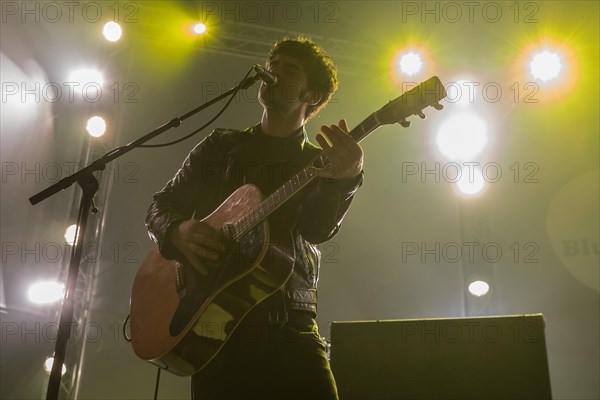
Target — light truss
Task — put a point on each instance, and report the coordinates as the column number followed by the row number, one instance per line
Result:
column 254, row 42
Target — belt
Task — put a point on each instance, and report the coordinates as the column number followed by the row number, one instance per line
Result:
column 273, row 315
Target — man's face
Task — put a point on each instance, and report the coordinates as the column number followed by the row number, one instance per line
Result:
column 292, row 85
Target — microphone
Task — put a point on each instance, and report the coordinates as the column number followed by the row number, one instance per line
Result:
column 266, row 76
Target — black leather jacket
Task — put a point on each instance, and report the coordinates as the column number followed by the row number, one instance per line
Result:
column 227, row 159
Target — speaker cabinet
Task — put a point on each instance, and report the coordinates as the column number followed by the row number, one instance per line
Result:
column 497, row 357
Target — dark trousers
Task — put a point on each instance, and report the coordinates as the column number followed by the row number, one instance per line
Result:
column 269, row 361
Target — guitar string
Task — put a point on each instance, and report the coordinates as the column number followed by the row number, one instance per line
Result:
column 270, row 203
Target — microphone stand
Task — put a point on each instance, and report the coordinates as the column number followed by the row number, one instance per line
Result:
column 89, row 184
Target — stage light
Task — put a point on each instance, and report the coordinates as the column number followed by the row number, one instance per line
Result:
column 461, row 91
column 549, row 70
column 48, row 366
column 410, row 63
column 112, row 31
column 96, row 126
column 471, row 181
column 85, row 78
column 46, row 292
column 199, row 28
column 462, row 136
column 479, row 288
column 545, row 66
column 70, row 234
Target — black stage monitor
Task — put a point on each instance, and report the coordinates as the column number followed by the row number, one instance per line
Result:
column 497, row 357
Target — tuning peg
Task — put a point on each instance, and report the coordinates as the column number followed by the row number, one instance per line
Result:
column 438, row 106
column 404, row 123
column 421, row 115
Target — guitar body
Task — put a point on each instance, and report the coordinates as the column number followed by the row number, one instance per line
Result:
column 180, row 319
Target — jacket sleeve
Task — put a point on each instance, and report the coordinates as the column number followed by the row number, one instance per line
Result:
column 325, row 206
column 195, row 184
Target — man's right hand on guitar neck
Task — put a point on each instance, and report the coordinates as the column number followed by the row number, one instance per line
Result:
column 197, row 240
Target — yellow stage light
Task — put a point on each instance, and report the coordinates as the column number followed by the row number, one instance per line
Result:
column 410, row 63
column 546, row 71
column 199, row 28
column 545, row 66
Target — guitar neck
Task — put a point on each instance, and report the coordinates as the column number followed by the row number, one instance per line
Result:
column 294, row 184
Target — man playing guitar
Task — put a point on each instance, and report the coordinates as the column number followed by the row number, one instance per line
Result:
column 276, row 351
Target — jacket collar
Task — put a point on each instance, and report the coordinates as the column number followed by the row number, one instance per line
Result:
column 299, row 136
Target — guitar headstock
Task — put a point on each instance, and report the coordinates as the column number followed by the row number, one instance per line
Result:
column 428, row 93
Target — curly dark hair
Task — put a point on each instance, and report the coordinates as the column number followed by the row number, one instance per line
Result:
column 319, row 67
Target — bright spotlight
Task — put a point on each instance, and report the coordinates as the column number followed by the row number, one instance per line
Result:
column 461, row 92
column 70, row 234
column 410, row 63
column 462, row 136
column 199, row 28
column 48, row 366
column 83, row 77
column 479, row 288
column 471, row 181
column 112, row 31
column 46, row 292
column 545, row 66
column 96, row 126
